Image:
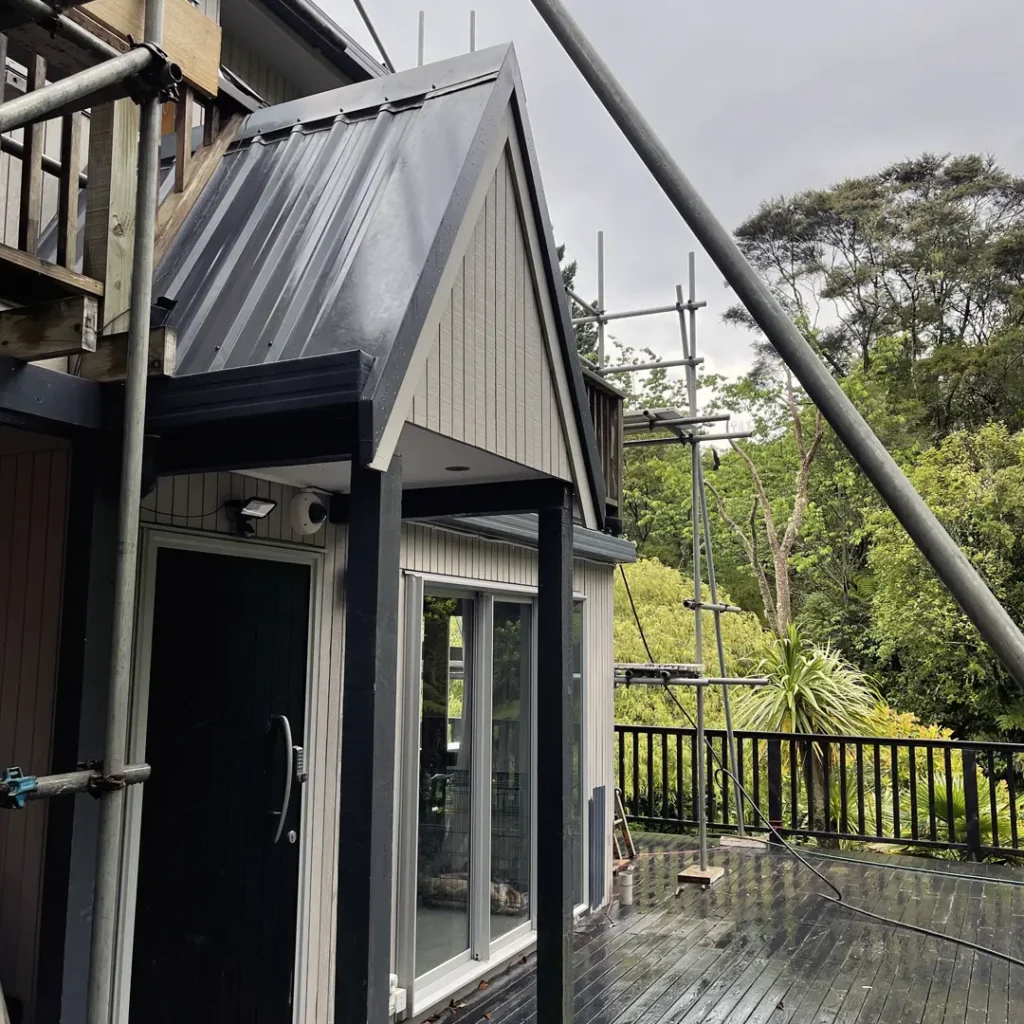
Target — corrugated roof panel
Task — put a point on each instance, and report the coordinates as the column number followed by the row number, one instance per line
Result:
column 309, row 240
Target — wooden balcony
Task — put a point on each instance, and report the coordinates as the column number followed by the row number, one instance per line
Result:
column 606, row 409
column 68, row 189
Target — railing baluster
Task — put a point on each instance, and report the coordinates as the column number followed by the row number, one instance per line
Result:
column 895, row 772
column 933, row 832
column 808, row 759
column 971, row 805
column 829, row 807
column 1011, row 785
column 664, row 775
column 844, row 823
column 912, row 768
column 879, row 831
column 693, row 777
column 860, row 788
column 950, row 823
column 994, row 838
column 679, row 776
column 650, row 774
column 636, row 774
column 794, row 784
column 620, row 736
column 755, row 771
column 725, row 782
column 826, row 786
column 775, row 784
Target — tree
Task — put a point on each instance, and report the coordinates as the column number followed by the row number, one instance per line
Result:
column 929, row 250
column 937, row 664
column 776, row 592
column 811, row 690
column 586, row 334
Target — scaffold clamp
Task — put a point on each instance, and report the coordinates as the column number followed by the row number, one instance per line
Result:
column 15, row 788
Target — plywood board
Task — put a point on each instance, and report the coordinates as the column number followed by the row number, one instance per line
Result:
column 191, row 39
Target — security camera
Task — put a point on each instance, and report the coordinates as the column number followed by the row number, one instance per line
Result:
column 308, row 512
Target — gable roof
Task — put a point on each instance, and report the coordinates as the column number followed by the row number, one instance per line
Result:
column 329, row 227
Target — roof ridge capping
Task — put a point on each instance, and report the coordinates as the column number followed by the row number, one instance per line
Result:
column 444, row 76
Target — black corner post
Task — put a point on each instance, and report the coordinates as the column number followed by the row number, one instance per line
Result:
column 554, row 762
column 369, row 708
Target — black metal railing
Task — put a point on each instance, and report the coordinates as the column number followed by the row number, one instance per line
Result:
column 950, row 795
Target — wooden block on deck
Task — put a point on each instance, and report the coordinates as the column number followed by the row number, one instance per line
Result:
column 110, row 360
column 45, row 330
column 693, row 875
column 743, row 843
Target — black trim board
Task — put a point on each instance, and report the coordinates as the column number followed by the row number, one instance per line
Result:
column 316, row 383
column 49, row 401
column 286, row 439
column 467, row 500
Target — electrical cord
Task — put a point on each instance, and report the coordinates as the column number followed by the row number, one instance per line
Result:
column 838, row 899
column 175, row 515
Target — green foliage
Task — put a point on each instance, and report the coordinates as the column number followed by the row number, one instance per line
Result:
column 812, row 690
column 659, row 592
column 974, row 482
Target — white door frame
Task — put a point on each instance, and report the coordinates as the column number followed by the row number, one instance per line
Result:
column 483, row 594
column 152, row 539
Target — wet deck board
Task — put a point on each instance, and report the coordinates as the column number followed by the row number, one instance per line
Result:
column 763, row 947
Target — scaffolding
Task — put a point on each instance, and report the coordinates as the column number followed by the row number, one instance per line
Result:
column 672, row 426
column 145, row 74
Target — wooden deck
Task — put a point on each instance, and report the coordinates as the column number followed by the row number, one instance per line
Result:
column 762, row 947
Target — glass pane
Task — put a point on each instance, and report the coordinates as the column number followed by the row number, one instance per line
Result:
column 442, row 904
column 578, row 796
column 510, row 768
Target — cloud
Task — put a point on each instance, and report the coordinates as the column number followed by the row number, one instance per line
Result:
column 754, row 99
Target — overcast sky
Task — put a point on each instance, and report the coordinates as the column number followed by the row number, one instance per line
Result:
column 755, row 99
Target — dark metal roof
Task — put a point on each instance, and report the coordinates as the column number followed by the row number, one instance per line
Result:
column 313, row 235
column 328, row 226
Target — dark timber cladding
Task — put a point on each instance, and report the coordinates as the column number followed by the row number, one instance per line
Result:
column 369, row 708
column 554, row 756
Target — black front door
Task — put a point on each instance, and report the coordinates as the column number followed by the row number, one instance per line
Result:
column 217, row 897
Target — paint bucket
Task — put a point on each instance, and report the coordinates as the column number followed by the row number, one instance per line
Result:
column 626, row 887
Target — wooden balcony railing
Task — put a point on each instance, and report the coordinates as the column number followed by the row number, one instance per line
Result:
column 67, row 206
column 943, row 795
column 606, row 410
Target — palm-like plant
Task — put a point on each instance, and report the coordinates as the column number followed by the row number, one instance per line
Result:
column 811, row 690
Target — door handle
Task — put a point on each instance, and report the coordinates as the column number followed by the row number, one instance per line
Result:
column 283, row 728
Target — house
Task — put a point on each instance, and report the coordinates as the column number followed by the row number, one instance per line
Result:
column 372, row 663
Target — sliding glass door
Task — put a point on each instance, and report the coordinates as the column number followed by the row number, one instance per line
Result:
column 443, row 819
column 511, row 826
column 468, row 841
